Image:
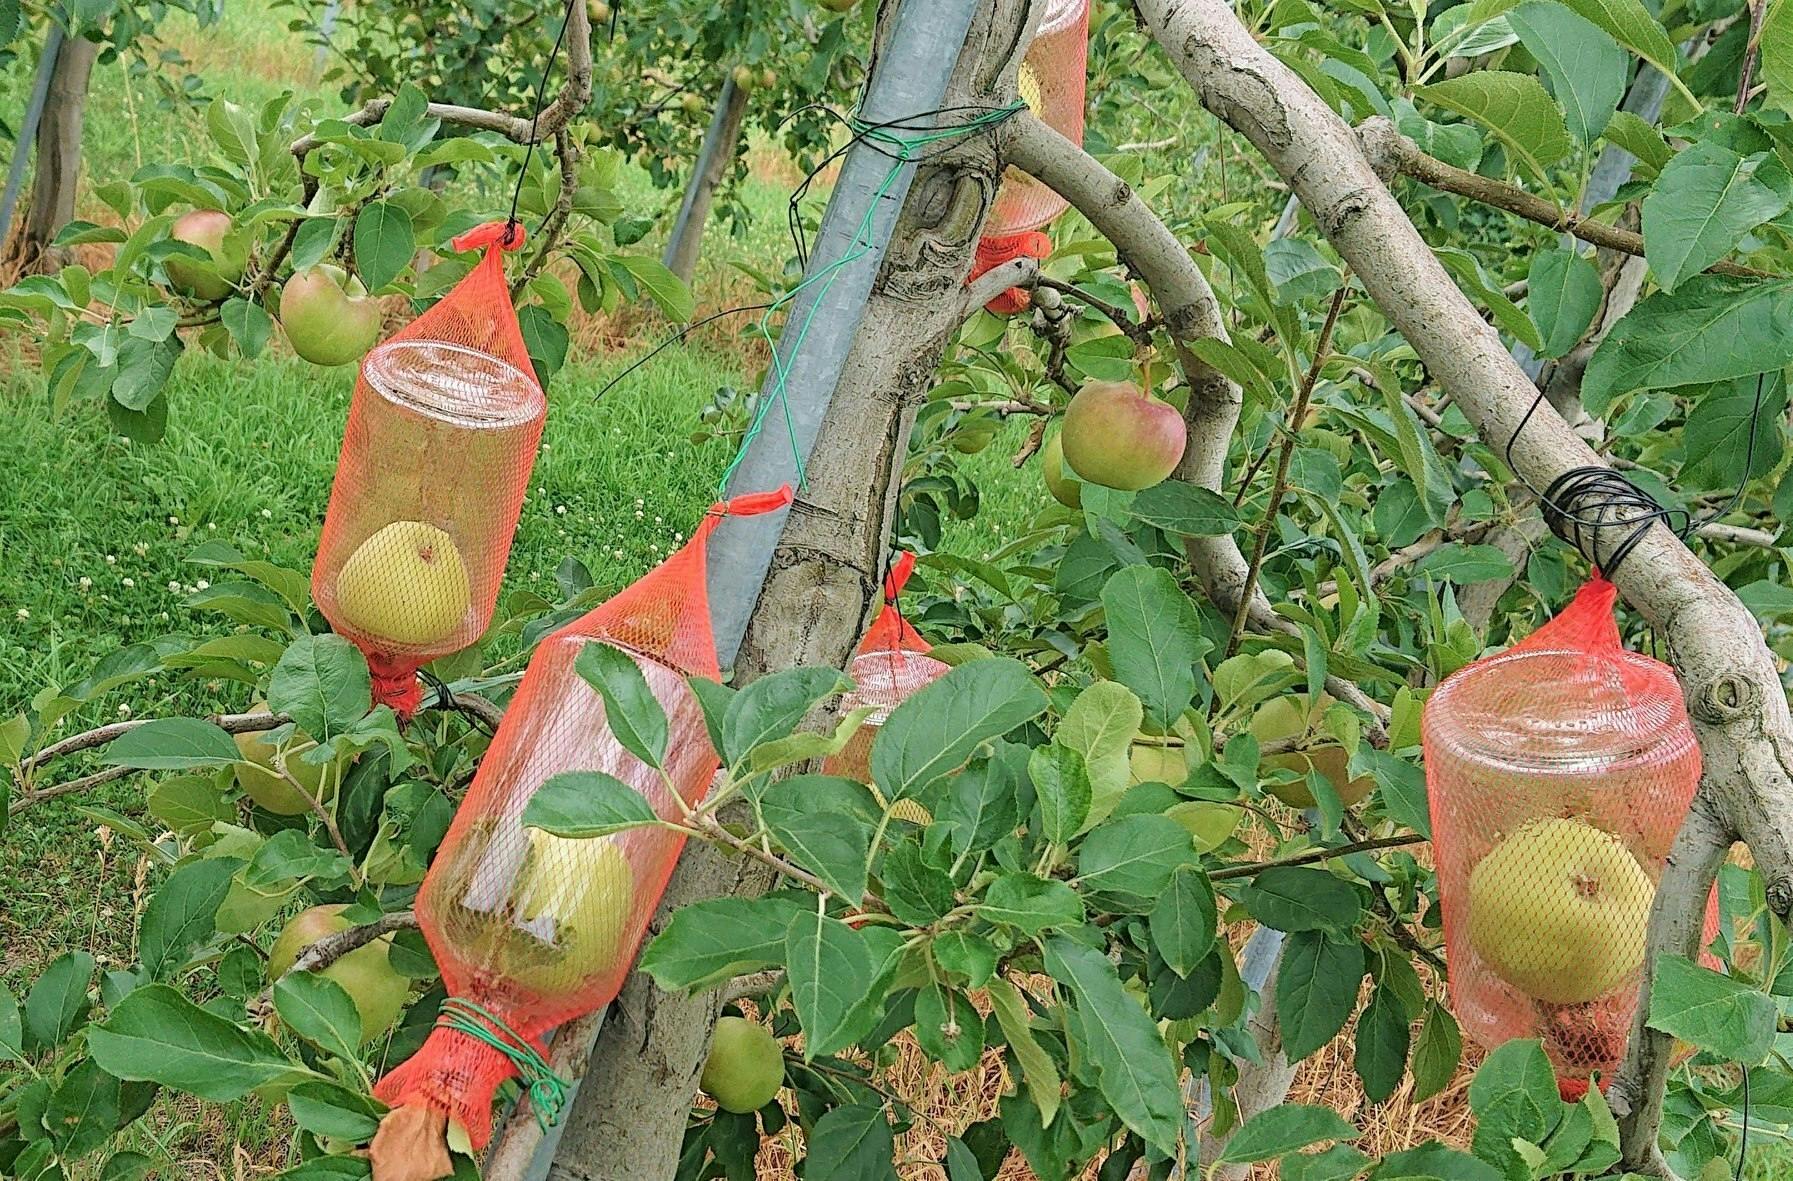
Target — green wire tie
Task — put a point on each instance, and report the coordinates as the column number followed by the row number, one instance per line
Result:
column 547, row 1091
column 903, row 149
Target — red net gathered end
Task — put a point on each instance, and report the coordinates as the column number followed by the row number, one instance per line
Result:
column 993, row 252
column 435, row 462
column 891, row 665
column 1559, row 773
column 535, row 928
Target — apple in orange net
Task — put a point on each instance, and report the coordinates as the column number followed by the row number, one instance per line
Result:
column 206, row 229
column 745, row 1067
column 262, row 782
column 1558, row 911
column 329, row 317
column 366, row 973
column 405, row 584
column 1283, row 718
column 571, row 905
column 1118, row 436
column 1027, row 85
column 1064, row 489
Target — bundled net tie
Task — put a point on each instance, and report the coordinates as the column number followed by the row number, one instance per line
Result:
column 547, row 1091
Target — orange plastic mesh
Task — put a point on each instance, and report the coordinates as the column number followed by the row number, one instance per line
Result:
column 535, row 928
column 993, row 252
column 890, row 666
column 1559, row 773
column 435, row 462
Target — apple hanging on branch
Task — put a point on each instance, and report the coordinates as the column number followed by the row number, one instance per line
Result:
column 207, row 230
column 329, row 317
column 1117, row 435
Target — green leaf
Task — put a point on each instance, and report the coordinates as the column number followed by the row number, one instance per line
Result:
column 1632, row 26
column 1431, row 1161
column 851, row 1143
column 1714, row 1012
column 322, row 684
column 1134, row 856
column 1515, row 1092
column 1514, row 108
column 709, row 942
column 917, row 891
column 832, row 845
column 980, row 807
column 939, row 728
column 12, row 1027
column 1436, row 1052
column 1341, row 1162
column 1707, row 198
column 1100, row 726
column 633, row 712
column 1295, row 898
column 1154, row 640
column 127, row 1166
column 587, row 804
column 771, row 708
column 327, row 1110
column 1711, row 328
column 1642, row 139
column 831, row 968
column 384, row 243
column 1177, row 506
column 665, row 288
column 1133, row 1066
column 1282, row 1129
column 1031, row 904
column 1465, row 564
column 1038, row 1072
column 1564, row 294
column 947, row 1028
column 1777, row 55
column 1587, row 70
column 182, row 915
column 1732, row 433
column 172, row 744
column 1382, row 1037
column 248, row 325
column 319, row 1010
column 58, row 1002
column 1316, row 989
column 84, row 1110
column 157, row 1035
column 1185, row 919
column 1062, row 787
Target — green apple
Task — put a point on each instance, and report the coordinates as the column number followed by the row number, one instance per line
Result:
column 206, row 229
column 329, row 317
column 1558, row 910
column 745, row 1067
column 366, row 973
column 974, row 435
column 406, row 584
column 257, row 776
column 1118, row 436
column 744, row 78
column 693, row 104
column 1283, row 718
column 1064, row 489
column 571, row 905
column 1210, row 823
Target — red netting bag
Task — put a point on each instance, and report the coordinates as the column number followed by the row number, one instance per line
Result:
column 531, row 929
column 1559, row 773
column 891, row 665
column 435, row 462
column 1051, row 82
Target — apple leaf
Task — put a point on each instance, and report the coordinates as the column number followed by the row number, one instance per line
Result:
column 583, row 804
column 635, row 715
column 1283, row 1129
column 1714, row 1012
column 172, row 744
column 936, row 730
column 322, row 684
column 384, row 243
column 157, row 1035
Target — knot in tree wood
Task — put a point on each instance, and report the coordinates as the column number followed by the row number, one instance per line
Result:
column 1726, row 698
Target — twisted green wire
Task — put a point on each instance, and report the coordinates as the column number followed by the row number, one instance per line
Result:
column 903, row 148
column 547, row 1090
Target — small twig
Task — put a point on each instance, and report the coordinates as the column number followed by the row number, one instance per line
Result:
column 1758, row 12
column 1002, row 407
column 101, row 735
column 1135, row 331
column 753, row 984
column 322, row 813
column 1017, row 272
column 1291, row 435
column 69, row 788
column 548, row 237
column 326, row 951
column 1313, row 855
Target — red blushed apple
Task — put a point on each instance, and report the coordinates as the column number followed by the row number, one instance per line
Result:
column 1118, row 436
column 204, row 228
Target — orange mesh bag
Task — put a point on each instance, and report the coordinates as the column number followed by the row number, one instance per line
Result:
column 530, row 929
column 891, row 665
column 1051, row 82
column 1559, row 773
column 435, row 462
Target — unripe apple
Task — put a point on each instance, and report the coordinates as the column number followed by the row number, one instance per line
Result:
column 768, row 78
column 1558, row 911
column 1052, row 467
column 329, row 317
column 598, row 13
column 366, row 973
column 1283, row 718
column 693, row 104
column 745, row 79
column 974, row 436
column 745, row 1067
column 263, row 784
column 406, row 584
column 1115, row 435
column 206, row 229
column 570, row 906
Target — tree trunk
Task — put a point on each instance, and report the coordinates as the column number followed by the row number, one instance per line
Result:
column 58, row 156
column 635, row 1100
column 713, row 162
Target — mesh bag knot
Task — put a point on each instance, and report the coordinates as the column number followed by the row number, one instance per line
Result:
column 532, row 928
column 435, row 461
column 1559, row 773
column 890, row 666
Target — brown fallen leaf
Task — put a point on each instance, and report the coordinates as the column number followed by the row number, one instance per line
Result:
column 412, row 1145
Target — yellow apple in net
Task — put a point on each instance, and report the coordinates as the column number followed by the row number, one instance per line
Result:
column 745, row 1067
column 406, row 584
column 570, row 908
column 1558, row 911
column 1028, row 84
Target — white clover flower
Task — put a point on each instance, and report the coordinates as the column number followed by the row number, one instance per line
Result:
column 615, row 553
column 86, row 583
column 560, row 509
column 174, row 588
column 141, row 549
column 202, row 584
column 267, row 514
column 163, row 617
column 174, row 520
column 124, row 711
column 639, row 515
column 111, row 559
column 23, row 613
column 639, row 503
column 128, row 583
column 211, row 524
column 658, row 521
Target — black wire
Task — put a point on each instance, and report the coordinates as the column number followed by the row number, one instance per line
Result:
column 675, row 338
column 541, row 90
column 445, row 699
column 1743, row 1142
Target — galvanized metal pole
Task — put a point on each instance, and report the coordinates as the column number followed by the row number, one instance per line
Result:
column 327, row 28
column 34, row 111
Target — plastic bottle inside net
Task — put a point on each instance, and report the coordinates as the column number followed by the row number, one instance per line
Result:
column 533, row 928
column 435, row 462
column 1559, row 773
column 891, row 665
column 1051, row 81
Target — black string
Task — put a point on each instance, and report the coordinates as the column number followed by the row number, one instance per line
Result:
column 675, row 338
column 1743, row 1143
column 445, row 699
column 541, row 90
column 1583, row 501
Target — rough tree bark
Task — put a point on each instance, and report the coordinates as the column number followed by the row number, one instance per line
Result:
column 636, row 1095
column 713, row 162
column 1731, row 683
column 58, row 173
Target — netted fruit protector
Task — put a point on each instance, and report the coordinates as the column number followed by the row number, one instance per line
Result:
column 435, row 462
column 1051, row 81
column 891, row 665
column 531, row 929
column 1559, row 773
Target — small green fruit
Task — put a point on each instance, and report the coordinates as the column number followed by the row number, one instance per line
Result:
column 257, row 776
column 692, row 104
column 745, row 1069
column 1283, row 718
column 1064, row 489
column 329, row 317
column 405, row 584
column 365, row 974
column 745, row 79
